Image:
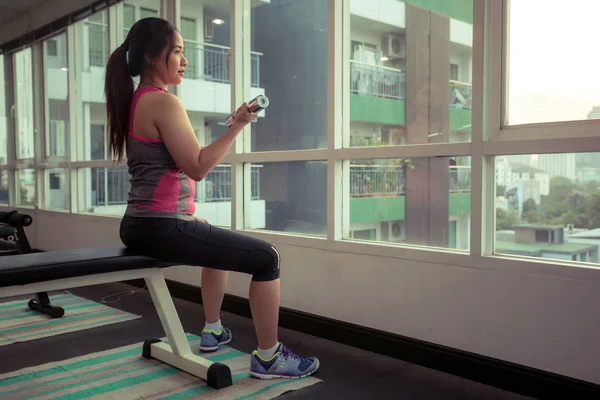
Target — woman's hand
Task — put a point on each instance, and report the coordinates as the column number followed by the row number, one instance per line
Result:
column 201, row 220
column 243, row 115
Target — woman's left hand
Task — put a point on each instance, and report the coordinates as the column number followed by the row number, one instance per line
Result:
column 201, row 220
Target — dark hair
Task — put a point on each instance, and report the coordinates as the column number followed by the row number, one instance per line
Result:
column 146, row 40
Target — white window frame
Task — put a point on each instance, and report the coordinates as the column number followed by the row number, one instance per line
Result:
column 490, row 137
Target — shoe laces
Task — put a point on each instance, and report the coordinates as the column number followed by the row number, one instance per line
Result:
column 287, row 353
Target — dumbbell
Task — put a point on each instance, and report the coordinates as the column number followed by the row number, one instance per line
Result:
column 255, row 105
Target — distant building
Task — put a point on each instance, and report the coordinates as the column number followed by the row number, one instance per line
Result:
column 545, row 241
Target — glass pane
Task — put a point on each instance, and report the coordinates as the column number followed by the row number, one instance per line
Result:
column 25, row 187
column 96, row 27
column 548, row 205
column 410, row 72
column 288, row 64
column 57, row 189
column 289, row 197
column 104, row 190
column 56, row 95
column 4, row 87
column 205, row 33
column 93, row 54
column 419, row 201
column 4, row 182
column 553, row 77
column 128, row 18
column 23, row 93
column 213, row 196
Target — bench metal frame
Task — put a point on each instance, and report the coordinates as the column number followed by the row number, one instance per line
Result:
column 178, row 352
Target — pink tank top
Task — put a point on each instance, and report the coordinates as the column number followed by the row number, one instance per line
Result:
column 158, row 187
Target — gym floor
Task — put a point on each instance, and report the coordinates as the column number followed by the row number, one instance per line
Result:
column 347, row 372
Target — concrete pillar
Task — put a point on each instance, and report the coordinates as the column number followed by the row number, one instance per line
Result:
column 427, row 121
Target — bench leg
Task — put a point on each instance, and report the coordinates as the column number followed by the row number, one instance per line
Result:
column 41, row 303
column 178, row 352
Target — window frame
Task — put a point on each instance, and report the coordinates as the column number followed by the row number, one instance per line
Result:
column 490, row 137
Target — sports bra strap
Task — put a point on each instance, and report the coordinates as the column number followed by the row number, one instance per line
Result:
column 136, row 96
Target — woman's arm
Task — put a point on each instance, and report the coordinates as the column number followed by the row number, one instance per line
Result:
column 178, row 135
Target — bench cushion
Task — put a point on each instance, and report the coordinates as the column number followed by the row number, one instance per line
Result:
column 46, row 266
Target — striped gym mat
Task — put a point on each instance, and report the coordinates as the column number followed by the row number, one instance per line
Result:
column 20, row 324
column 124, row 374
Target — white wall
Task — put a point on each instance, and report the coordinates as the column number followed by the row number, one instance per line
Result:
column 391, row 12
column 543, row 320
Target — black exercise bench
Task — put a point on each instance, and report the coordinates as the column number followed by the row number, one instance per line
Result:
column 57, row 270
column 12, row 230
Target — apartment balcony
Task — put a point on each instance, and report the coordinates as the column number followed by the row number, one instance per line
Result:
column 377, row 193
column 377, row 94
column 210, row 62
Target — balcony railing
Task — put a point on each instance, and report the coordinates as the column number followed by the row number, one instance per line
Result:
column 211, row 62
column 376, row 80
column 218, row 185
column 110, row 186
column 380, row 181
column 376, row 181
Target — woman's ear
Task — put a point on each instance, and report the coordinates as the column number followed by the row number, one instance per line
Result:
column 149, row 60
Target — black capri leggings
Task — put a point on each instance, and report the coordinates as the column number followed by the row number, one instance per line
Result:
column 199, row 244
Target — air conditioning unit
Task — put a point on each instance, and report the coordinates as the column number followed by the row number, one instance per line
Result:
column 393, row 46
column 396, row 231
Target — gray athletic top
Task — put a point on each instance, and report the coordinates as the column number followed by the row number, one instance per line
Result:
column 158, row 187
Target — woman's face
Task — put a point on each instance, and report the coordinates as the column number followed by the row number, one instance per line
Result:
column 173, row 70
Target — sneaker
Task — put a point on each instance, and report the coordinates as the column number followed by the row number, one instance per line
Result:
column 283, row 364
column 210, row 341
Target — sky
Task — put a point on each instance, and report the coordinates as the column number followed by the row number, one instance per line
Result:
column 554, row 60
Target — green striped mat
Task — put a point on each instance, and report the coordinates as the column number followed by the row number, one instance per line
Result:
column 20, row 324
column 124, row 374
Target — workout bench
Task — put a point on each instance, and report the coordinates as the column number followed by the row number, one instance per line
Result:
column 56, row 270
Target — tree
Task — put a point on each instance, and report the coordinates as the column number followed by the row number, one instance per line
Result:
column 593, row 211
column 505, row 220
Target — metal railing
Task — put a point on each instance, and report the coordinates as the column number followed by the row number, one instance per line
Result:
column 376, row 181
column 461, row 95
column 385, row 180
column 376, row 80
column 460, row 179
column 211, row 62
column 218, row 185
column 110, row 186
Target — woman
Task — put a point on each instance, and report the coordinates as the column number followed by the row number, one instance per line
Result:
column 164, row 159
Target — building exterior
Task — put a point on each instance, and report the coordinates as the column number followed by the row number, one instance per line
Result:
column 386, row 197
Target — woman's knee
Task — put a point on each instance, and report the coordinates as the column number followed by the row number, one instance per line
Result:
column 266, row 263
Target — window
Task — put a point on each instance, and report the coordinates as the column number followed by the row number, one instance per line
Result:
column 51, row 48
column 56, row 193
column 56, row 94
column 409, row 200
column 287, row 197
column 25, row 193
column 548, row 206
column 96, row 26
column 288, row 64
column 553, row 72
column 4, row 125
column 208, row 73
column 23, row 103
column 410, row 73
column 100, row 185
